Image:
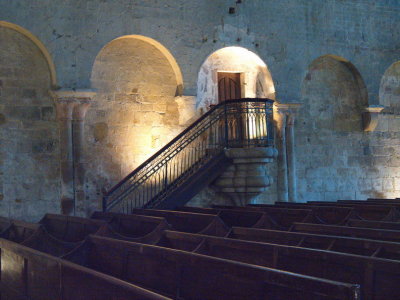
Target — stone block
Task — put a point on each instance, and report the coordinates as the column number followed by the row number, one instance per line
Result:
column 47, row 113
column 30, row 113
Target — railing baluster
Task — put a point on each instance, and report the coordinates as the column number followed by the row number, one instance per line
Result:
column 234, row 123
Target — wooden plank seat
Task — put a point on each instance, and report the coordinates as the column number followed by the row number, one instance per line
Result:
column 231, row 217
column 185, row 275
column 272, row 217
column 42, row 241
column 188, row 222
column 32, row 275
column 363, row 211
column 139, row 228
column 343, row 244
column 378, row 277
column 373, row 224
column 69, row 228
column 318, row 214
column 19, row 231
column 358, row 232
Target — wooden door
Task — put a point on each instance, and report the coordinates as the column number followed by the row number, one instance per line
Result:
column 229, row 86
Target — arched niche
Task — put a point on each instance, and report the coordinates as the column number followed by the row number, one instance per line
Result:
column 256, row 80
column 334, row 94
column 134, row 112
column 38, row 44
column 389, row 92
column 29, row 181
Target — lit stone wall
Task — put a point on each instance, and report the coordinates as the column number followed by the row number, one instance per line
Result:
column 29, row 157
column 134, row 113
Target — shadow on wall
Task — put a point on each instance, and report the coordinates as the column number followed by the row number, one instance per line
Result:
column 134, row 113
column 334, row 94
column 255, row 76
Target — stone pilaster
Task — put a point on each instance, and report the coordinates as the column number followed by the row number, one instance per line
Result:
column 71, row 110
column 287, row 186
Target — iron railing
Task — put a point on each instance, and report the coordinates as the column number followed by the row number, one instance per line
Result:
column 231, row 124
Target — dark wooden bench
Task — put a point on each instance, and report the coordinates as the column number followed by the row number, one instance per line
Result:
column 68, row 228
column 373, row 224
column 231, row 217
column 32, row 275
column 272, row 217
column 135, row 228
column 378, row 277
column 363, row 212
column 185, row 275
column 19, row 231
column 368, row 233
column 359, row 246
column 42, row 241
column 188, row 222
column 367, row 210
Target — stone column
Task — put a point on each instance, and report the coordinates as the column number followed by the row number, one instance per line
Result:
column 287, row 185
column 78, row 126
column 71, row 109
column 64, row 116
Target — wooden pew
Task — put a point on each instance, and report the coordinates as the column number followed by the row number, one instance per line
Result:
column 185, row 275
column 19, row 231
column 358, row 232
column 42, row 241
column 359, row 246
column 188, row 222
column 318, row 214
column 324, row 264
column 68, row 228
column 32, row 275
column 135, row 228
column 271, row 217
column 363, row 212
column 373, row 224
column 231, row 217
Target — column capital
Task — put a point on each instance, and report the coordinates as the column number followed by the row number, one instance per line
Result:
column 72, row 104
column 287, row 108
column 287, row 111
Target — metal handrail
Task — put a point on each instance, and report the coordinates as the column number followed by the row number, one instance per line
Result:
column 231, row 124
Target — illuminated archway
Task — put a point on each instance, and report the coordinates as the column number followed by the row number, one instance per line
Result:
column 256, row 79
column 134, row 112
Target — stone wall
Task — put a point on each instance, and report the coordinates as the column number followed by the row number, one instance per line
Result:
column 29, row 157
column 133, row 115
column 336, row 158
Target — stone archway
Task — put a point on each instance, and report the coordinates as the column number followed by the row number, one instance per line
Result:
column 335, row 94
column 389, row 92
column 135, row 111
column 256, row 79
column 29, row 181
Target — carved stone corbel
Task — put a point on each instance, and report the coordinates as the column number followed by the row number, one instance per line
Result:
column 370, row 117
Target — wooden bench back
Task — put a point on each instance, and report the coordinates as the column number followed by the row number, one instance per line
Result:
column 30, row 274
column 193, row 276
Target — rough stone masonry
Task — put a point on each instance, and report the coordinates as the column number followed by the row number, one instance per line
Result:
column 142, row 60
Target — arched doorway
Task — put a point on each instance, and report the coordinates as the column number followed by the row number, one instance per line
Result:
column 231, row 73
